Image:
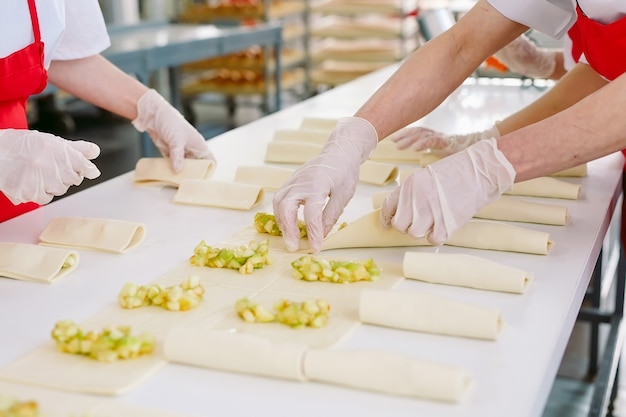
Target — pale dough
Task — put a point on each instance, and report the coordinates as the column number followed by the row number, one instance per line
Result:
column 577, row 171
column 377, row 173
column 388, row 151
column 35, row 263
column 428, row 158
column 319, row 123
column 518, row 210
column 422, row 312
column 546, row 187
column 158, row 171
column 465, row 271
column 108, row 235
column 48, row 367
column 235, row 352
column 223, row 194
column 509, row 208
column 387, row 373
column 301, row 135
column 268, row 177
column 55, row 403
column 366, row 232
column 291, row 152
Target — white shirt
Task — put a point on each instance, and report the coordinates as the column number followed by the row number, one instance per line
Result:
column 70, row 29
column 555, row 17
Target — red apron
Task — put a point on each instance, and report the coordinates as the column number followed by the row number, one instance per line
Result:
column 604, row 47
column 22, row 74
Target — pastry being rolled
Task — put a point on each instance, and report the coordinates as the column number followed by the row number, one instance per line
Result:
column 366, row 232
column 509, row 208
column 36, row 263
column 422, row 312
column 517, row 210
column 268, row 177
column 464, row 271
column 387, row 151
column 235, row 352
column 106, row 235
column 291, row 152
column 387, row 373
column 546, row 187
column 223, row 194
column 158, row 171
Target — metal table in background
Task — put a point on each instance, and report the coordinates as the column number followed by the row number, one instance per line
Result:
column 143, row 49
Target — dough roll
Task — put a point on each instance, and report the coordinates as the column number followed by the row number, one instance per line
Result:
column 464, row 271
column 422, row 312
column 387, row 373
column 235, row 352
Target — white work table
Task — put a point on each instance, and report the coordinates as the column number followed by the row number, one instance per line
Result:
column 512, row 375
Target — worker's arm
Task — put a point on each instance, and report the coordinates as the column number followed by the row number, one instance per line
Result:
column 437, row 68
column 99, row 82
column 592, row 128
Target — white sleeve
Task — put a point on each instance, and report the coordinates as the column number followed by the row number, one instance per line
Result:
column 85, row 31
column 550, row 17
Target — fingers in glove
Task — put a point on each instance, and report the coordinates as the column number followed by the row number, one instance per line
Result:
column 79, row 167
column 388, row 209
column 313, row 217
column 89, row 149
column 286, row 214
column 331, row 213
column 177, row 156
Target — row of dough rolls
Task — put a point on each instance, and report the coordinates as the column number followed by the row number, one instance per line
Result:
column 368, row 370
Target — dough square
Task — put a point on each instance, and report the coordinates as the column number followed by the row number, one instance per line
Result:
column 217, row 302
column 342, row 322
column 48, row 367
column 390, row 276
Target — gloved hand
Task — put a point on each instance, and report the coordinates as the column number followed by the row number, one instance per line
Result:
column 524, row 57
column 422, row 138
column 333, row 173
column 36, row 166
column 437, row 200
column 175, row 137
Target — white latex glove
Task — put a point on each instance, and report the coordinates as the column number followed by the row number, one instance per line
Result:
column 437, row 200
column 175, row 137
column 421, row 139
column 524, row 57
column 36, row 166
column 332, row 175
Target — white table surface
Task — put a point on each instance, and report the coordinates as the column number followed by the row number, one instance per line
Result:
column 513, row 375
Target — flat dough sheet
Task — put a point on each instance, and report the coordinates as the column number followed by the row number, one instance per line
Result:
column 291, row 152
column 55, row 403
column 429, row 313
column 465, row 271
column 35, row 263
column 388, row 373
column 48, row 367
column 157, row 171
column 107, row 235
column 231, row 195
column 269, row 177
column 301, row 135
column 319, row 123
column 546, row 187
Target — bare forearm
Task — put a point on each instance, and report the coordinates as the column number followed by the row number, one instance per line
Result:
column 99, row 82
column 432, row 72
column 577, row 84
column 588, row 130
